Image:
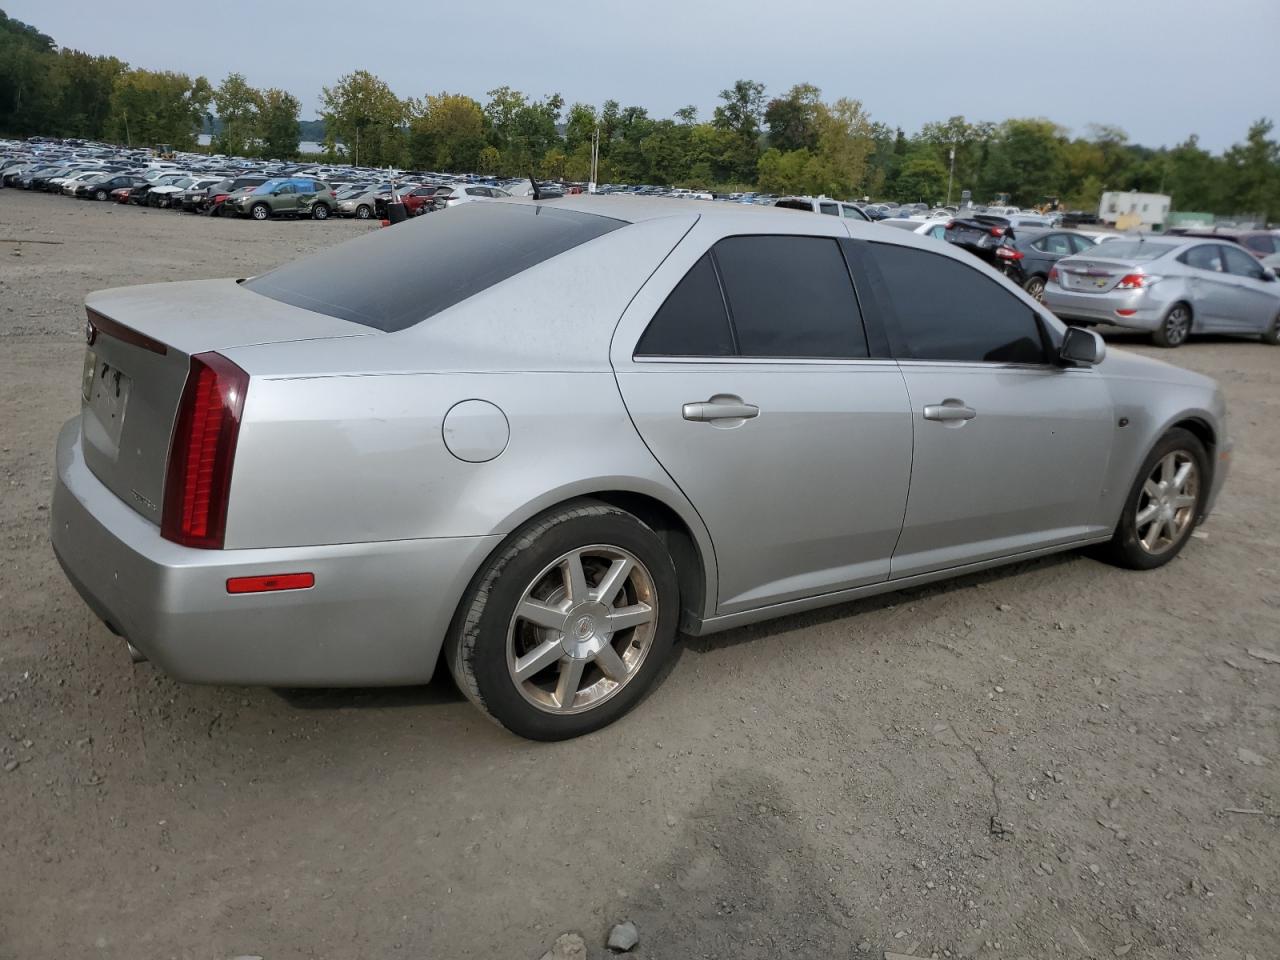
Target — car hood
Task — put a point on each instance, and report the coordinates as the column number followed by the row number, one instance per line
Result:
column 1123, row 365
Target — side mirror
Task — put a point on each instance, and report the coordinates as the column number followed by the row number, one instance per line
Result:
column 1084, row 347
column 1268, row 274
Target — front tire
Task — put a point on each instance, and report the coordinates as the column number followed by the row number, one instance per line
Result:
column 363, row 212
column 1163, row 505
column 260, row 211
column 100, row 195
column 569, row 624
column 1175, row 328
column 1272, row 334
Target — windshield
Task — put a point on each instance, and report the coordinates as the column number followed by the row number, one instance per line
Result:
column 393, row 279
column 1130, row 250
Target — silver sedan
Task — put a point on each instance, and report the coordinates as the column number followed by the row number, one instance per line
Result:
column 1171, row 287
column 540, row 460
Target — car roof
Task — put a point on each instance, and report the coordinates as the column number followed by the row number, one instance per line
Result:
column 636, row 209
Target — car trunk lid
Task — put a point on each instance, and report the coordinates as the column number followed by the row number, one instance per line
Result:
column 140, row 344
column 1093, row 275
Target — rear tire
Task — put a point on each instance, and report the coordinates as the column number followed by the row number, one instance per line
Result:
column 1272, row 334
column 363, row 212
column 515, row 668
column 1174, row 328
column 100, row 195
column 1137, row 543
column 320, row 211
column 1035, row 287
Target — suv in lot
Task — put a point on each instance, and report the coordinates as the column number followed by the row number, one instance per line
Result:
column 833, row 208
column 284, row 196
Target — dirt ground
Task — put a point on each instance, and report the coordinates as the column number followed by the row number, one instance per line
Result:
column 822, row 786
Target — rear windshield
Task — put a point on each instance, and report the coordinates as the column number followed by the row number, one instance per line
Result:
column 391, row 279
column 902, row 224
column 1129, row 250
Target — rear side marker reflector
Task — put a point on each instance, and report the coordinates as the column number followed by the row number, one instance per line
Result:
column 1125, row 313
column 281, row 581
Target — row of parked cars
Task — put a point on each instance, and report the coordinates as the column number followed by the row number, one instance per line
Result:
column 1171, row 285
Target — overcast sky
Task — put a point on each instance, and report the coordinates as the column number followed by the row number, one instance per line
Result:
column 1160, row 69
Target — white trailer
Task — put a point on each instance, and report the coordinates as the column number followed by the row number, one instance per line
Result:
column 1130, row 210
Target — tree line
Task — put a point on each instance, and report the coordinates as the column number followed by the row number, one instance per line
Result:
column 794, row 142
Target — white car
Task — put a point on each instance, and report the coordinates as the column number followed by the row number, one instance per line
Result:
column 452, row 196
column 935, row 228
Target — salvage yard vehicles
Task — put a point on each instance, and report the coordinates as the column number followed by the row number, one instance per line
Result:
column 536, row 460
column 288, row 196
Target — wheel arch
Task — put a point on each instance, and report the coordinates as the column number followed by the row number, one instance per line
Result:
column 678, row 526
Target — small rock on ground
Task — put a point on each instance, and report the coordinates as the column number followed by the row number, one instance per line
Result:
column 568, row 946
column 623, row 937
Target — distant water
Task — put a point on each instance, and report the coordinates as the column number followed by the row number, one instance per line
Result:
column 306, row 146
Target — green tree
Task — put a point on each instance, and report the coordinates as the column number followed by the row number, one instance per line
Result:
column 845, row 145
column 150, row 108
column 1253, row 172
column 793, row 119
column 1025, row 161
column 447, row 132
column 84, row 87
column 579, row 125
column 237, row 105
column 361, row 112
column 922, row 178
column 740, row 114
column 29, row 86
column 278, row 130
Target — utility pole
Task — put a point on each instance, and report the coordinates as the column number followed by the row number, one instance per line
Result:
column 127, row 142
column 951, row 173
column 595, row 158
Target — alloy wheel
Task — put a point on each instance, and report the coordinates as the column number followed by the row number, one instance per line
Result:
column 1035, row 287
column 1167, row 504
column 1177, row 325
column 582, row 629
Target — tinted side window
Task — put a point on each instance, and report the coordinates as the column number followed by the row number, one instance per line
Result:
column 829, row 208
column 1261, row 243
column 1057, row 243
column 790, row 297
column 1241, row 264
column 1203, row 258
column 1080, row 243
column 947, row 310
column 692, row 322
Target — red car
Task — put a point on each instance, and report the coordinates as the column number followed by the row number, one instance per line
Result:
column 416, row 201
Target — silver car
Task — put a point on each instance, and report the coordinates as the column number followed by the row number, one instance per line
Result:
column 1172, row 287
column 539, row 460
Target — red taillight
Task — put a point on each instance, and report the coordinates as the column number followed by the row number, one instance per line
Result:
column 1008, row 253
column 1134, row 281
column 280, row 581
column 997, row 231
column 951, row 225
column 198, row 482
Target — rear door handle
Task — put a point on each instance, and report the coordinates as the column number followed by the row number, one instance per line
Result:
column 720, row 407
column 950, row 410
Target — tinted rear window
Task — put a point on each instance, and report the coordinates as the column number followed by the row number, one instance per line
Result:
column 391, row 279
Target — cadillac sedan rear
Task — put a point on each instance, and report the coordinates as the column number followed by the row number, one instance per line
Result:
column 259, row 492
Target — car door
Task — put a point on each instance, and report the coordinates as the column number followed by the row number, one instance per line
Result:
column 1212, row 297
column 304, row 194
column 1010, row 449
column 1255, row 300
column 745, row 367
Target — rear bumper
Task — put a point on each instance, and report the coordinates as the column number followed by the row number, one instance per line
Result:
column 377, row 615
column 1102, row 307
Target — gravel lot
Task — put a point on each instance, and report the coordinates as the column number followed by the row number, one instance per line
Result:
column 822, row 786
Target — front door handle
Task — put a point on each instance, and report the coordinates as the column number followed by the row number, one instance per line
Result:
column 720, row 407
column 950, row 410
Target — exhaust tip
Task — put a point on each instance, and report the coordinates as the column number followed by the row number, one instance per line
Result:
column 136, row 655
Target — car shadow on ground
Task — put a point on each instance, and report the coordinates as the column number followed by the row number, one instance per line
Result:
column 1124, row 337
column 443, row 691
column 440, row 691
